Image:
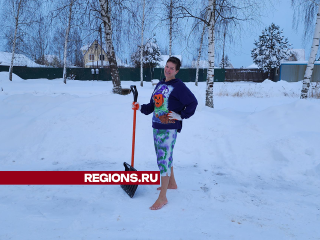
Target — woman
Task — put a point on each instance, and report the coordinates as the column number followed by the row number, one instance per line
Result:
column 170, row 102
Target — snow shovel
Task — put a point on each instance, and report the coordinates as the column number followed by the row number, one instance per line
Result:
column 131, row 189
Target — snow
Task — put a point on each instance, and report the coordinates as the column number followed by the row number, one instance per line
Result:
column 299, row 54
column 20, row 60
column 253, row 65
column 202, row 64
column 247, row 169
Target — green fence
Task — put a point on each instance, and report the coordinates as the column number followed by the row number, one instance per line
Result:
column 126, row 74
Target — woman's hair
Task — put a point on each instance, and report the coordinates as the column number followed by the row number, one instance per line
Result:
column 176, row 61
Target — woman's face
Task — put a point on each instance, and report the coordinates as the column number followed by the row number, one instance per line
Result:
column 170, row 71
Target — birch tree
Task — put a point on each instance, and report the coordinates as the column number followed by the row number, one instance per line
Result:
column 170, row 26
column 69, row 13
column 21, row 13
column 217, row 10
column 66, row 39
column 105, row 12
column 199, row 52
column 309, row 9
column 169, row 15
column 210, row 71
column 141, row 50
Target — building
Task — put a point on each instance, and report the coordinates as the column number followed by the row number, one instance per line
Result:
column 19, row 60
column 202, row 64
column 94, row 56
column 297, row 55
column 294, row 71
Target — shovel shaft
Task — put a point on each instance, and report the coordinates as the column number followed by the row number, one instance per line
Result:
column 133, row 137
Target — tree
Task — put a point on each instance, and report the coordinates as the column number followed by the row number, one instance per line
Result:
column 69, row 13
column 217, row 10
column 37, row 41
column 271, row 48
column 21, row 13
column 225, row 62
column 309, row 8
column 199, row 52
column 105, row 12
column 151, row 54
column 57, row 45
column 141, row 49
column 210, row 71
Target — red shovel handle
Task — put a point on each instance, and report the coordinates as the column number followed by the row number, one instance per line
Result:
column 135, row 97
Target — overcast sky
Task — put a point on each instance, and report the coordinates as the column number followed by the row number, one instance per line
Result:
column 282, row 15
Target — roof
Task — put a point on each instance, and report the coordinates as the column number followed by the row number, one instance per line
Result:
column 88, row 46
column 19, row 60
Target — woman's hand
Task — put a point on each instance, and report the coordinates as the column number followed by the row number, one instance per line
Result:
column 136, row 106
column 174, row 116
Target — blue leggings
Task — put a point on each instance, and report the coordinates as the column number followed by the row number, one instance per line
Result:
column 164, row 140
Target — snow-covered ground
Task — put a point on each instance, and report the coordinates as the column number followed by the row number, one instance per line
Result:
column 247, row 169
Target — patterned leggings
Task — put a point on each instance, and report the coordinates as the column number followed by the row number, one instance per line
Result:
column 164, row 140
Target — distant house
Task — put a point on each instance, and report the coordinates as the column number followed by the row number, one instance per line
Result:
column 93, row 54
column 202, row 64
column 19, row 60
column 297, row 55
column 253, row 65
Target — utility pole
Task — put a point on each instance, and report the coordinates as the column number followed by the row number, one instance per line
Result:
column 102, row 59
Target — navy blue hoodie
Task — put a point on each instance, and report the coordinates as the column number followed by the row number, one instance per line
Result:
column 174, row 96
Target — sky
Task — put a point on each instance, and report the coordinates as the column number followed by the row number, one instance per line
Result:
column 280, row 14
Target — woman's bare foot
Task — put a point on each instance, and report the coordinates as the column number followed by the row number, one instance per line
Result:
column 159, row 204
column 172, row 186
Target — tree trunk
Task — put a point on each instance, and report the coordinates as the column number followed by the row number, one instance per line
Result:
column 66, row 43
column 14, row 40
column 106, row 18
column 141, row 49
column 223, row 47
column 210, row 73
column 170, row 27
column 312, row 58
column 199, row 53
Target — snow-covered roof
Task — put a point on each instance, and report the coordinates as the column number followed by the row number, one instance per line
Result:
column 19, row 60
column 85, row 48
column 253, row 65
column 202, row 64
column 165, row 59
column 299, row 54
column 106, row 63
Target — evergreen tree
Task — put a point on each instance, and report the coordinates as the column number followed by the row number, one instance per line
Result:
column 151, row 54
column 271, row 48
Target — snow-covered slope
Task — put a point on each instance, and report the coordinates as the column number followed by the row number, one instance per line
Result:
column 247, row 169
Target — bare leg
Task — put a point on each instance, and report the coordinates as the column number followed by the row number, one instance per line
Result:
column 162, row 199
column 172, row 181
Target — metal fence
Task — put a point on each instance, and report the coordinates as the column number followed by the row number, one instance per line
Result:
column 249, row 75
column 131, row 74
column 294, row 72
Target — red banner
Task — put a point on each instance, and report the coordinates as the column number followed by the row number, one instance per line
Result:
column 79, row 177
